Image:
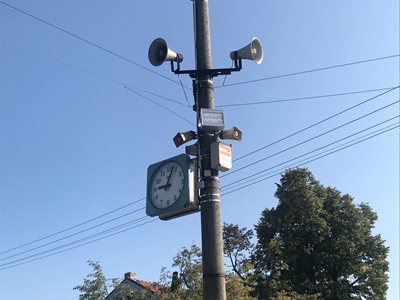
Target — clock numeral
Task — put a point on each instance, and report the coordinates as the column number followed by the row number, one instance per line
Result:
column 162, row 173
column 180, row 173
column 175, row 198
column 182, row 181
column 158, row 181
column 170, row 168
column 168, row 202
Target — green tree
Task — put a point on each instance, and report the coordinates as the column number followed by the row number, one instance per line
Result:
column 95, row 285
column 238, row 248
column 317, row 244
column 189, row 263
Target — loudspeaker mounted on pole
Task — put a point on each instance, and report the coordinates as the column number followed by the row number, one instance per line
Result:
column 233, row 133
column 252, row 51
column 159, row 52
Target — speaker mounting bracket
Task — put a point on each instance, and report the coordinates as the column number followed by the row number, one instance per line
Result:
column 209, row 72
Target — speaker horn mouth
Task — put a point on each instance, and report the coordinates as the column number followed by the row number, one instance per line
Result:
column 159, row 52
column 252, row 51
column 256, row 50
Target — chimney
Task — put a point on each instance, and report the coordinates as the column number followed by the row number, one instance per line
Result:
column 130, row 275
column 175, row 281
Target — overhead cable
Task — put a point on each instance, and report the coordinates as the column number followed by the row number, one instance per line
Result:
column 313, row 138
column 315, row 124
column 309, row 71
column 315, row 150
column 311, row 160
column 41, row 254
column 80, row 245
column 87, row 41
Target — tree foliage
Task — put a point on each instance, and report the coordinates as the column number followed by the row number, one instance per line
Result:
column 190, row 286
column 318, row 243
column 95, row 285
column 315, row 244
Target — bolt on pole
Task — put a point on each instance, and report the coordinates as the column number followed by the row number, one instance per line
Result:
column 209, row 196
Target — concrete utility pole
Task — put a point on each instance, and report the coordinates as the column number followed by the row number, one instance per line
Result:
column 209, row 198
column 210, row 127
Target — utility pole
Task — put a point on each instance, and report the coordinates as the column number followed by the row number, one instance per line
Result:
column 170, row 198
column 209, row 197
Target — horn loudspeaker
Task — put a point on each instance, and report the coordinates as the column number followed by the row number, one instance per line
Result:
column 252, row 51
column 159, row 52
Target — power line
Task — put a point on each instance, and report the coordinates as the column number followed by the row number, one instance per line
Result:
column 71, row 235
column 183, row 87
column 315, row 150
column 317, row 158
column 73, row 227
column 238, row 159
column 76, row 241
column 98, row 75
column 165, row 77
column 315, row 124
column 306, row 160
column 313, row 138
column 306, row 98
column 52, row 254
column 24, row 260
column 171, row 111
column 174, row 81
column 310, row 71
column 87, row 41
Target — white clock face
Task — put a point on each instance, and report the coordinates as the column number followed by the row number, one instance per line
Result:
column 167, row 185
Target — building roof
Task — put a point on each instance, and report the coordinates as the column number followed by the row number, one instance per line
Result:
column 134, row 284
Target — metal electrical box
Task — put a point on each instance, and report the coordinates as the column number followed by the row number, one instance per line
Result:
column 221, row 156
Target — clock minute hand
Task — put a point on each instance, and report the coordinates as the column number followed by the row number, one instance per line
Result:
column 167, row 185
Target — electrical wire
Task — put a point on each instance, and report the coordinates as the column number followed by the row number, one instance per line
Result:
column 295, row 99
column 312, row 160
column 315, row 124
column 315, row 150
column 183, row 87
column 306, row 160
column 98, row 75
column 87, row 41
column 52, row 254
column 143, row 198
column 309, row 71
column 313, row 138
column 44, row 254
column 171, row 111
column 71, row 235
column 140, row 219
column 306, row 98
column 76, row 242
column 73, row 227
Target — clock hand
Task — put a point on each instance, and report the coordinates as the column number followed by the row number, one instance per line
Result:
column 167, row 185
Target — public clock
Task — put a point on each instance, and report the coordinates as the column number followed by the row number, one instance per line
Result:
column 169, row 186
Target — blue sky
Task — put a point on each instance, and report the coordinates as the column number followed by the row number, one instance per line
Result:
column 83, row 114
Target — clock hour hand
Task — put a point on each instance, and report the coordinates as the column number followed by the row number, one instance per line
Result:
column 165, row 186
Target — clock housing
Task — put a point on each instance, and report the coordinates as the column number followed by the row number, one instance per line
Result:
column 171, row 186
